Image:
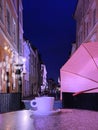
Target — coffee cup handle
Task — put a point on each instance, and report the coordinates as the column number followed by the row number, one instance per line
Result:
column 33, row 103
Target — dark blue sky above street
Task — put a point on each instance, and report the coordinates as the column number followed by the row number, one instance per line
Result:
column 50, row 26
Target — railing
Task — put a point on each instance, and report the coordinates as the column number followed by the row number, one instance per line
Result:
column 10, row 102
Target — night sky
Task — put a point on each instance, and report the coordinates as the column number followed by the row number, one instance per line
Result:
column 50, row 26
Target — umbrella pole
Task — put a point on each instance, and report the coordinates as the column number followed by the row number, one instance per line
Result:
column 77, row 93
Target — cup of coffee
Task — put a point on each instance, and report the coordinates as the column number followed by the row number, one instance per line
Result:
column 43, row 104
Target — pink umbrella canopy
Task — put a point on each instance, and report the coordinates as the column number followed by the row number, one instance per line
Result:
column 80, row 72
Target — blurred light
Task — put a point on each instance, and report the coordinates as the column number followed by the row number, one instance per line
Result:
column 24, row 60
column 6, row 47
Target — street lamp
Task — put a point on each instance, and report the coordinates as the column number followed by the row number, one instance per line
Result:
column 19, row 70
column 18, row 75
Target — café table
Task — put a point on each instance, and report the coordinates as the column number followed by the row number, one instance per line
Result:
column 65, row 119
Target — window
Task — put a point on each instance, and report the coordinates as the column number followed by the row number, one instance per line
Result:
column 1, row 75
column 8, row 22
column 1, row 10
column 84, row 30
column 87, row 28
column 20, row 17
column 94, row 17
column 20, row 46
column 14, row 2
column 14, row 31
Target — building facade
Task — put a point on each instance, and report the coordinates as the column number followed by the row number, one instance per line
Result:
column 86, row 16
column 32, row 68
column 37, row 73
column 20, row 64
column 44, row 84
column 26, row 54
column 11, row 39
column 74, row 47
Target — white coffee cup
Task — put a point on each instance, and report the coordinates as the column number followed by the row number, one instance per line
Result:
column 43, row 104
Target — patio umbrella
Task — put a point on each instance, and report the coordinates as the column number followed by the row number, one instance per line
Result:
column 80, row 73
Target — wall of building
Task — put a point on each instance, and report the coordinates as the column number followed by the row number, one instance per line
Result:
column 86, row 15
column 13, row 50
column 26, row 54
column 8, row 45
column 44, row 84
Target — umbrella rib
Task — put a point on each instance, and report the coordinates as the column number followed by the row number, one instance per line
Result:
column 83, row 91
column 91, row 56
column 82, row 76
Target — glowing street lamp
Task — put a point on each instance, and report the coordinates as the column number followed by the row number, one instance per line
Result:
column 19, row 69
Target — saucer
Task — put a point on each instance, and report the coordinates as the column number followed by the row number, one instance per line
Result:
column 45, row 113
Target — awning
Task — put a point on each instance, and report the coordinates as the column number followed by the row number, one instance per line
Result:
column 80, row 72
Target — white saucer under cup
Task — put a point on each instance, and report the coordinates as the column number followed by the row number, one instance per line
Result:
column 46, row 113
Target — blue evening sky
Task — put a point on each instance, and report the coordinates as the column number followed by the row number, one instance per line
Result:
column 50, row 26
